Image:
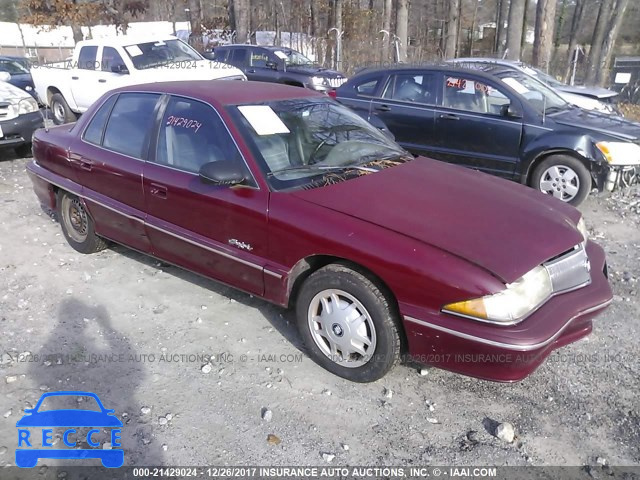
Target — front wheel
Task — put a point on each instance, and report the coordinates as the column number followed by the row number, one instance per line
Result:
column 564, row 177
column 349, row 326
column 77, row 225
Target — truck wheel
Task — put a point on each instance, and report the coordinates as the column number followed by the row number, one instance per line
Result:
column 60, row 110
column 348, row 324
column 24, row 150
column 564, row 177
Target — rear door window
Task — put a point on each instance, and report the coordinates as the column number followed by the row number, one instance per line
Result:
column 93, row 133
column 411, row 87
column 87, row 58
column 129, row 126
column 239, row 56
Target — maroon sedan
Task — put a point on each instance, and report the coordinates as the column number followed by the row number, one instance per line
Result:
column 285, row 194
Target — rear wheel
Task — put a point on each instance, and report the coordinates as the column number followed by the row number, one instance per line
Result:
column 77, row 225
column 60, row 110
column 564, row 177
column 348, row 324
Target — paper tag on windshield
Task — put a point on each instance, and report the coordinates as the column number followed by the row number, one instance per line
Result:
column 622, row 77
column 280, row 54
column 133, row 50
column 516, row 85
column 263, row 119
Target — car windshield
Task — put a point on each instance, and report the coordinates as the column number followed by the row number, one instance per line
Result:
column 537, row 94
column 12, row 67
column 155, row 54
column 314, row 141
column 543, row 77
column 68, row 402
column 291, row 57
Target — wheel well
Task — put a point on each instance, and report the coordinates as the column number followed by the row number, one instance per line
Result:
column 544, row 155
column 51, row 91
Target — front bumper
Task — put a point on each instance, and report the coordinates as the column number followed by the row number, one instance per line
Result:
column 508, row 353
column 19, row 131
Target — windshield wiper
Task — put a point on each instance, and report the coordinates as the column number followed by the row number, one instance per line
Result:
column 314, row 168
column 555, row 109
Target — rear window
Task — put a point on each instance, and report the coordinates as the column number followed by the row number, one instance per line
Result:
column 93, row 133
column 368, row 87
column 87, row 58
column 220, row 54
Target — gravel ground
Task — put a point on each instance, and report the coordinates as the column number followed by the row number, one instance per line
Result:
column 131, row 329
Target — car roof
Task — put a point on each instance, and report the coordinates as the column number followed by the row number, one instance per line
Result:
column 225, row 92
column 244, row 45
column 124, row 40
column 487, row 72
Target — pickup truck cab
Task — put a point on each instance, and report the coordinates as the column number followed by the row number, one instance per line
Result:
column 98, row 66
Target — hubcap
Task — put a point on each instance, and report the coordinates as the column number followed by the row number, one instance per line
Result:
column 75, row 219
column 58, row 112
column 560, row 181
column 342, row 328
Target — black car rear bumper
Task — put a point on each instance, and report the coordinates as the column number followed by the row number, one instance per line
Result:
column 19, row 131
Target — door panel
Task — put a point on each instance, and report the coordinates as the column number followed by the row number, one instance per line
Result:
column 218, row 231
column 471, row 130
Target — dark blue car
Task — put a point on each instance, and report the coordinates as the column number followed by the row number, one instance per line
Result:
column 19, row 73
column 500, row 121
column 66, row 418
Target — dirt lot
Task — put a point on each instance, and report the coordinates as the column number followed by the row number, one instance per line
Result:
column 131, row 329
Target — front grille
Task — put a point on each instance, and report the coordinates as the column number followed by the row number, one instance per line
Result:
column 4, row 110
column 336, row 82
column 570, row 271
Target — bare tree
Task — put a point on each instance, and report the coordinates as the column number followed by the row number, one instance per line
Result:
column 402, row 28
column 599, row 32
column 615, row 23
column 502, row 14
column 576, row 23
column 241, row 15
column 386, row 26
column 452, row 28
column 543, row 41
column 514, row 31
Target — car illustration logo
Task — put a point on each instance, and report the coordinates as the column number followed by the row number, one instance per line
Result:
column 34, row 445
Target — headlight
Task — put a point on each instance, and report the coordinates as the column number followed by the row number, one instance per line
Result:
column 510, row 305
column 317, row 81
column 28, row 88
column 582, row 228
column 620, row 153
column 27, row 105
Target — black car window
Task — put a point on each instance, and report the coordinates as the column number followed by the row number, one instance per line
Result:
column 220, row 54
column 259, row 58
column 367, row 87
column 129, row 124
column 239, row 55
column 111, row 60
column 411, row 87
column 87, row 58
column 473, row 96
column 93, row 133
column 192, row 134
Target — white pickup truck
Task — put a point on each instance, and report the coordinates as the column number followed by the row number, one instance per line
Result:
column 97, row 66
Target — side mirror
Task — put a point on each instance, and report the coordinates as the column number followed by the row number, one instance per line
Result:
column 121, row 69
column 223, row 172
column 5, row 76
column 510, row 111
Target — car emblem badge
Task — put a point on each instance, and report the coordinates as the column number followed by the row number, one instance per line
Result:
column 337, row 330
column 239, row 244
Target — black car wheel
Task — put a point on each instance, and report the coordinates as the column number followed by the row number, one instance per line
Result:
column 77, row 225
column 60, row 110
column 564, row 177
column 24, row 150
column 348, row 324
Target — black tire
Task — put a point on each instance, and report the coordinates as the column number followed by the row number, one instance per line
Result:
column 581, row 178
column 77, row 225
column 381, row 323
column 24, row 150
column 60, row 110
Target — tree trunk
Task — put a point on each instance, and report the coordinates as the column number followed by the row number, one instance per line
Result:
column 241, row 11
column 514, row 28
column 599, row 32
column 545, row 23
column 402, row 29
column 525, row 26
column 231, row 9
column 610, row 40
column 386, row 26
column 451, row 27
column 576, row 23
column 502, row 13
column 77, row 33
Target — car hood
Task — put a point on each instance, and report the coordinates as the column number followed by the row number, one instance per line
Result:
column 503, row 227
column 612, row 125
column 594, row 92
column 313, row 70
column 198, row 70
column 69, row 418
